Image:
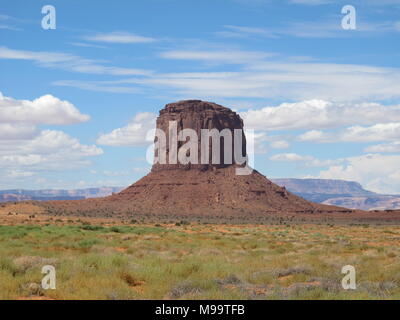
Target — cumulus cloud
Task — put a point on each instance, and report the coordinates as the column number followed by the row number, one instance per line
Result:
column 44, row 110
column 19, row 118
column 134, row 134
column 12, row 131
column 50, row 150
column 318, row 114
column 392, row 147
column 290, row 157
column 52, row 141
column 304, row 160
column 377, row 132
column 25, row 150
column 314, row 136
column 280, row 144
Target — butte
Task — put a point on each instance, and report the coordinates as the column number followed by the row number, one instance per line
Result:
column 198, row 189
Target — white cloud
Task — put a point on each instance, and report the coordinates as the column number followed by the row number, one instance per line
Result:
column 327, row 28
column 392, row 147
column 7, row 22
column 225, row 56
column 51, row 141
column 119, row 37
column 303, row 160
column 12, row 131
column 50, row 150
column 86, row 45
column 19, row 174
column 44, row 110
column 280, row 144
column 314, row 136
column 9, row 27
column 377, row 132
column 68, row 62
column 259, row 75
column 318, row 114
column 26, row 151
column 376, row 172
column 97, row 86
column 290, row 157
column 277, row 80
column 134, row 134
column 19, row 118
column 323, row 28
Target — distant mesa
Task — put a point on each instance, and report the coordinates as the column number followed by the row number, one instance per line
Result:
column 348, row 194
column 17, row 195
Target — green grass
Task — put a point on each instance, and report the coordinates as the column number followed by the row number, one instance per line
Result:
column 200, row 261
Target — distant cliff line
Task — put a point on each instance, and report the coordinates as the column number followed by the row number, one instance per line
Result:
column 348, row 194
column 16, row 195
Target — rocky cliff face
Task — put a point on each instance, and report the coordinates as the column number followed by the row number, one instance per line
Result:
column 198, row 115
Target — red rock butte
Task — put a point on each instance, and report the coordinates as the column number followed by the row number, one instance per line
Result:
column 208, row 189
column 197, row 190
column 199, row 115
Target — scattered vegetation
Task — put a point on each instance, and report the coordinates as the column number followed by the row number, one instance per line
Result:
column 199, row 261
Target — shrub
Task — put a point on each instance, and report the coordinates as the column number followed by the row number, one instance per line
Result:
column 87, row 243
column 116, row 229
column 92, row 228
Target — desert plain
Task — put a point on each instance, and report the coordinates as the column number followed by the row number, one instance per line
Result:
column 146, row 257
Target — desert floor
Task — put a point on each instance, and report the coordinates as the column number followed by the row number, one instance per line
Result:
column 104, row 259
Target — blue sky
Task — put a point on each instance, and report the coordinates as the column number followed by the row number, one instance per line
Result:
column 77, row 101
